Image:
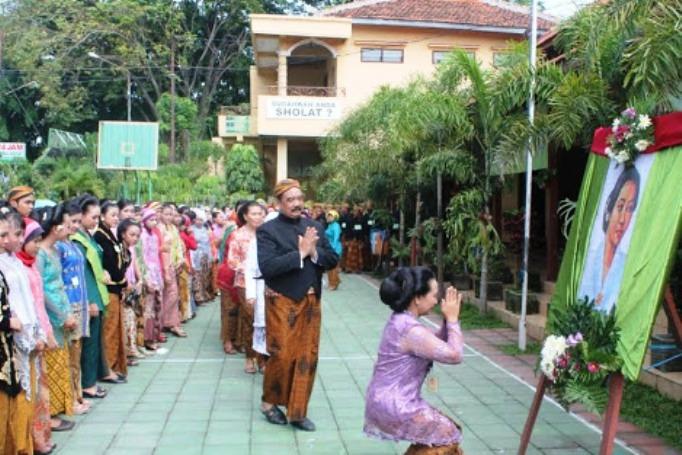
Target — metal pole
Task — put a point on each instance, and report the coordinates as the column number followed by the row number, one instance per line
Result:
column 138, row 188
column 171, row 151
column 128, row 90
column 529, row 173
column 439, row 239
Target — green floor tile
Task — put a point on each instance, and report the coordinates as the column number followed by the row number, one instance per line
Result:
column 196, row 400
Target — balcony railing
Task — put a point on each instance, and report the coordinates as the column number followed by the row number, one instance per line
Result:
column 242, row 109
column 297, row 90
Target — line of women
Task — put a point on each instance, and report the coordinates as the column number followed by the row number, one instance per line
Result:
column 87, row 288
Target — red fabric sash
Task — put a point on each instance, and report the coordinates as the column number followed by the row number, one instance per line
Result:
column 667, row 133
column 26, row 259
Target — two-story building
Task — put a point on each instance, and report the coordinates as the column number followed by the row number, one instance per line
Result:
column 311, row 71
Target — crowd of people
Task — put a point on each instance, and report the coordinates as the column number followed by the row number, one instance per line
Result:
column 89, row 288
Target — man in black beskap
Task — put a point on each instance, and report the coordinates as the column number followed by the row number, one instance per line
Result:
column 293, row 253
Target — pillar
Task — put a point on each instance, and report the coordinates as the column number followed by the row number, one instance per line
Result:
column 282, row 158
column 282, row 75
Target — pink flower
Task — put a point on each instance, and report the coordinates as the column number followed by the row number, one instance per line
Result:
column 629, row 112
column 562, row 362
column 592, row 367
column 577, row 367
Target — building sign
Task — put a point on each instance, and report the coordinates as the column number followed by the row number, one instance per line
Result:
column 303, row 108
column 237, row 124
column 128, row 145
column 12, row 151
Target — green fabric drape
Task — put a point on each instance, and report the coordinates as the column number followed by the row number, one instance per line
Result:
column 653, row 245
column 571, row 269
column 654, row 241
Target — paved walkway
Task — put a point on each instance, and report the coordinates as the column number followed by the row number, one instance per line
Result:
column 196, row 400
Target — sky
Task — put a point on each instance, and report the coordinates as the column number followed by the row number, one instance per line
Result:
column 564, row 8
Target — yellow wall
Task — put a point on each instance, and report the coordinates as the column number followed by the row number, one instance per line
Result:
column 356, row 80
column 362, row 79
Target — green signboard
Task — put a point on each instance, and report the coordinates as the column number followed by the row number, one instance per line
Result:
column 128, row 145
column 237, row 124
column 12, row 151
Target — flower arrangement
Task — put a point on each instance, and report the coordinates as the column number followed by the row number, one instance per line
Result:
column 579, row 354
column 631, row 134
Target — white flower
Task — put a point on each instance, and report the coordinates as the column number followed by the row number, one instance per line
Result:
column 554, row 347
column 548, row 369
column 608, row 152
column 616, row 124
column 642, row 145
column 622, row 157
column 628, row 135
column 644, row 122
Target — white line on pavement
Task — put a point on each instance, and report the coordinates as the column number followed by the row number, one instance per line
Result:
column 594, row 428
column 241, row 359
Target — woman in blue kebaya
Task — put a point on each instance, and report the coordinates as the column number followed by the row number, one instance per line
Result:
column 333, row 234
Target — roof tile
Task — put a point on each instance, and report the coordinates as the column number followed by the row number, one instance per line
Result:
column 494, row 13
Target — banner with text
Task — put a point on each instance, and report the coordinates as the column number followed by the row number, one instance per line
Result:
column 12, row 151
column 303, row 108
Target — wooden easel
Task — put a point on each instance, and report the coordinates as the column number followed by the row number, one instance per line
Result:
column 616, row 384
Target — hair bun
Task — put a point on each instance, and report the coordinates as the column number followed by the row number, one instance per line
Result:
column 397, row 289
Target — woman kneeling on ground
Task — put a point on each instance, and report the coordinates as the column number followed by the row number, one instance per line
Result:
column 394, row 408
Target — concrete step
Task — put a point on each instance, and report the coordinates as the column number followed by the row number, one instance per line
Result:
column 535, row 323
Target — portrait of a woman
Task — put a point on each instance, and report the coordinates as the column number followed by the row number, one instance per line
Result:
column 606, row 259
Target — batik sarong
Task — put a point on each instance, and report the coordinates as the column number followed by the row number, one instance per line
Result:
column 116, row 352
column 59, row 381
column 420, row 449
column 42, row 427
column 293, row 339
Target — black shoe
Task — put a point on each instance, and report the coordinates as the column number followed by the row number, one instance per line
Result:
column 117, row 380
column 275, row 415
column 306, row 424
column 98, row 395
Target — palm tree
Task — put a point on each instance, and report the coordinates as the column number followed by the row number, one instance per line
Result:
column 633, row 46
column 368, row 144
column 435, row 124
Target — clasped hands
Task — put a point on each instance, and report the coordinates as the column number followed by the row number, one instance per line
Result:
column 450, row 306
column 307, row 243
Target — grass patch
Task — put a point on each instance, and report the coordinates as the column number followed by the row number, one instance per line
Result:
column 470, row 318
column 654, row 413
column 532, row 347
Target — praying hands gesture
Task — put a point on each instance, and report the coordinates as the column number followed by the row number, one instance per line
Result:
column 451, row 304
column 307, row 244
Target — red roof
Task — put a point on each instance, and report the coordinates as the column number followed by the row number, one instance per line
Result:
column 483, row 13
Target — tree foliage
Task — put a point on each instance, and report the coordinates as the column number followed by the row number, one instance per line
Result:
column 52, row 42
column 633, row 46
column 243, row 170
